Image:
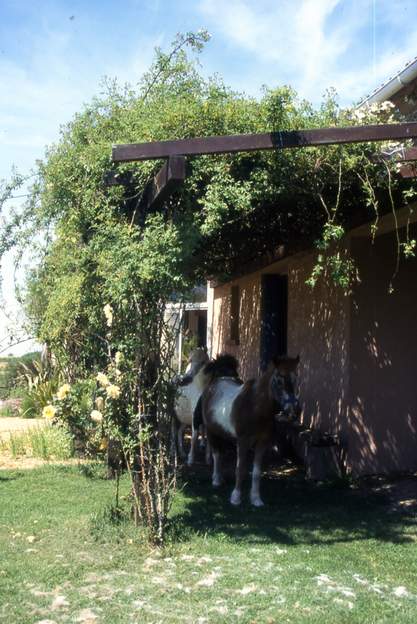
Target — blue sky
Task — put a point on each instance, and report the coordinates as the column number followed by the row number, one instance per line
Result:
column 53, row 54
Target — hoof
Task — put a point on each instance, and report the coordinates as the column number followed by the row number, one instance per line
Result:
column 190, row 460
column 235, row 498
column 256, row 501
column 216, row 482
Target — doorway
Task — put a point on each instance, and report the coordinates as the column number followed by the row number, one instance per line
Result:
column 274, row 317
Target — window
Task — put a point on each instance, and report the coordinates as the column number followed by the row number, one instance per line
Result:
column 234, row 314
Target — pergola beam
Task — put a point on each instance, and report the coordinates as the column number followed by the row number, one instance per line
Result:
column 168, row 178
column 267, row 141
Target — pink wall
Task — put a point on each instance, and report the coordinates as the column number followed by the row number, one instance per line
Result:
column 382, row 427
column 358, row 353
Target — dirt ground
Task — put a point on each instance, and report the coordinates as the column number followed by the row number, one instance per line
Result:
column 13, row 424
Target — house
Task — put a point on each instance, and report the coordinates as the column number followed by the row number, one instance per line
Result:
column 358, row 370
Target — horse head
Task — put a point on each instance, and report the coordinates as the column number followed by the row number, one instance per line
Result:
column 282, row 386
column 198, row 357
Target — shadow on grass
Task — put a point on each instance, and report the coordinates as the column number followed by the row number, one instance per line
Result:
column 295, row 512
column 95, row 470
column 10, row 476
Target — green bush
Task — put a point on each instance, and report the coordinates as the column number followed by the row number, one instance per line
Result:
column 35, row 398
column 41, row 384
column 12, row 381
column 73, row 410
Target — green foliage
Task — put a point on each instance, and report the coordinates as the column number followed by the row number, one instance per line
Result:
column 40, row 385
column 230, row 209
column 11, row 371
column 73, row 405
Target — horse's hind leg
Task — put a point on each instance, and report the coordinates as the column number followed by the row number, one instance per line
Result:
column 241, row 455
column 180, row 440
column 194, row 438
column 255, row 496
column 197, row 422
column 208, row 450
column 217, row 477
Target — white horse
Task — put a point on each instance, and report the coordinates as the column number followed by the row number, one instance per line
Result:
column 189, row 391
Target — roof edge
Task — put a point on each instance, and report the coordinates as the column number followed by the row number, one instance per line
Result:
column 393, row 85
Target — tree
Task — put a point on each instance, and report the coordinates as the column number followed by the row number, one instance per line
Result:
column 92, row 257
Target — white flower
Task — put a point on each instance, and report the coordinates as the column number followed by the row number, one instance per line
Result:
column 102, row 379
column 63, row 391
column 113, row 392
column 108, row 313
column 96, row 416
column 386, row 106
column 118, row 358
column 49, row 412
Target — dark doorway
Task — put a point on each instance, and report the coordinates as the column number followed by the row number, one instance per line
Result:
column 274, row 311
column 202, row 329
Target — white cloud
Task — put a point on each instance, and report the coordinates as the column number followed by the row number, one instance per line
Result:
column 312, row 44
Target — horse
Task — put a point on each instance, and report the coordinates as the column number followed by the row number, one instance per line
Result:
column 246, row 413
column 225, row 366
column 190, row 388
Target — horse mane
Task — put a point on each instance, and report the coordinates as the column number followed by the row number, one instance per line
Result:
column 224, row 365
column 284, row 363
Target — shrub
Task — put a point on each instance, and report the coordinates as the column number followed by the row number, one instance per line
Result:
column 11, row 371
column 73, row 405
column 41, row 384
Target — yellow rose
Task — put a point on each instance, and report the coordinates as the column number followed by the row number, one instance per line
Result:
column 99, row 403
column 102, row 379
column 63, row 391
column 113, row 392
column 49, row 412
column 96, row 416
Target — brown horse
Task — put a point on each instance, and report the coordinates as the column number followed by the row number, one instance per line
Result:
column 246, row 413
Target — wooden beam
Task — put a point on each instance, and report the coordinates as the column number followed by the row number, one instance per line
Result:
column 168, row 178
column 268, row 141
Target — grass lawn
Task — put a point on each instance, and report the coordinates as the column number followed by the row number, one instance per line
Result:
column 313, row 554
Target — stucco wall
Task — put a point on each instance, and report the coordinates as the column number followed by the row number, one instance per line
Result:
column 358, row 354
column 383, row 352
column 317, row 330
column 247, row 352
